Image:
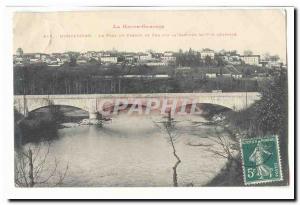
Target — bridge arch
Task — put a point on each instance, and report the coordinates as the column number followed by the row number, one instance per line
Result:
column 201, row 108
column 58, row 106
column 56, row 109
column 27, row 105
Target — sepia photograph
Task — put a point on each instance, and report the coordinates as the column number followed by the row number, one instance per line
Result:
column 151, row 98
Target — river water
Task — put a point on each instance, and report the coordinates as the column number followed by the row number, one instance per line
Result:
column 135, row 151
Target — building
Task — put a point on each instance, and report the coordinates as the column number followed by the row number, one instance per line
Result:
column 237, row 75
column 183, row 68
column 146, row 76
column 234, row 59
column 18, row 60
column 35, row 60
column 183, row 71
column 251, row 59
column 264, row 63
column 168, row 57
column 30, row 58
column 55, row 55
column 53, row 62
column 274, row 64
column 38, row 55
column 65, row 59
column 19, row 52
column 100, row 53
column 81, row 60
column 207, row 52
column 145, row 57
column 44, row 57
column 231, row 58
column 109, row 59
column 90, row 54
column 168, row 53
column 156, row 63
column 157, row 55
column 211, row 75
column 129, row 58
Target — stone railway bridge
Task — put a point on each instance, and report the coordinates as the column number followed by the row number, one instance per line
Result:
column 102, row 103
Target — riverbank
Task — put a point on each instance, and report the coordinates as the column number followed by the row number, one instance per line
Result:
column 232, row 173
column 242, row 124
column 36, row 130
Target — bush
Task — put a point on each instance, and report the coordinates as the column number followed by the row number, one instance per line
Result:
column 268, row 115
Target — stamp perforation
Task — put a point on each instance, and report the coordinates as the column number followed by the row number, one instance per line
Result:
column 264, row 181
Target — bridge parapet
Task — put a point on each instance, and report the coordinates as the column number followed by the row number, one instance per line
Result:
column 139, row 95
column 93, row 102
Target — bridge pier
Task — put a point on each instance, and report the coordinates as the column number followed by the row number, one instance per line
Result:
column 95, row 118
column 95, row 115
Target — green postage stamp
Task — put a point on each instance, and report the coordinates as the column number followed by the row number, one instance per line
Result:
column 261, row 160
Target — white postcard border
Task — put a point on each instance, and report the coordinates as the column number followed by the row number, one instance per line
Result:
column 128, row 193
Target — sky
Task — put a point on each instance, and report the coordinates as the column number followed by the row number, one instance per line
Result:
column 262, row 31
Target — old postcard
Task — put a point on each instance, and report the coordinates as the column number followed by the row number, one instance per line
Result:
column 151, row 98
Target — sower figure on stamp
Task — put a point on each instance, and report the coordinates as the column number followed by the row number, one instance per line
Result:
column 258, row 158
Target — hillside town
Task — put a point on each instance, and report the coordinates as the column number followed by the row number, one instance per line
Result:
column 114, row 71
column 150, row 58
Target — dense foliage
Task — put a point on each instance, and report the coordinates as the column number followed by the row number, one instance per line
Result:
column 268, row 115
column 272, row 110
column 93, row 79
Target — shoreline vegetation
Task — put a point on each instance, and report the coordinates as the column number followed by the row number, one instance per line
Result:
column 267, row 116
column 39, row 126
column 114, row 79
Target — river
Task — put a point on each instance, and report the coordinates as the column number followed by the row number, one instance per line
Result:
column 135, row 151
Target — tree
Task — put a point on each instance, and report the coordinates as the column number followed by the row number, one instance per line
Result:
column 73, row 61
column 271, row 115
column 225, row 146
column 73, row 58
column 248, row 52
column 30, row 164
column 268, row 115
column 220, row 61
column 274, row 58
column 272, row 109
column 94, row 61
column 266, row 56
column 247, row 71
column 208, row 60
column 233, row 52
column 20, row 52
column 121, row 59
column 168, row 127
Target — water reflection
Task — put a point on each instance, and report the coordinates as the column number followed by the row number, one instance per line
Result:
column 134, row 151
